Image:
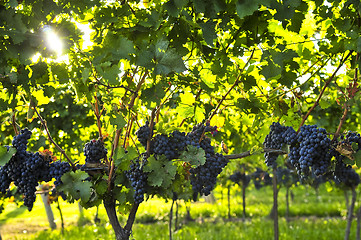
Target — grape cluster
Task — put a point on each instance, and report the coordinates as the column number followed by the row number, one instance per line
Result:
column 161, row 146
column 261, row 178
column 352, row 137
column 20, row 141
column 57, row 170
column 345, row 174
column 203, row 178
column 238, row 177
column 94, row 151
column 278, row 137
column 143, row 134
column 26, row 169
column 138, row 179
column 310, row 154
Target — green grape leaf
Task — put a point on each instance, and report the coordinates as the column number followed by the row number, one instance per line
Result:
column 195, row 156
column 101, row 187
column 117, row 120
column 354, row 146
column 122, row 158
column 246, row 7
column 161, row 171
column 31, row 110
column 121, row 194
column 74, row 184
column 5, row 154
column 357, row 157
column 169, row 62
column 209, row 33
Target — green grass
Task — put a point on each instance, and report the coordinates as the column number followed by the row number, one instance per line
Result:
column 258, row 228
column 313, row 217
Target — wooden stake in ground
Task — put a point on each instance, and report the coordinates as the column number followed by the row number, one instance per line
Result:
column 48, row 210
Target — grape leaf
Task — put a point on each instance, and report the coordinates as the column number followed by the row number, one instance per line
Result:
column 122, row 158
column 246, row 7
column 357, row 157
column 101, row 187
column 161, row 171
column 5, row 154
column 193, row 155
column 74, row 184
column 117, row 120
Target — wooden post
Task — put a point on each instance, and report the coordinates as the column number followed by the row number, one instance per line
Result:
column 48, row 210
column 275, row 205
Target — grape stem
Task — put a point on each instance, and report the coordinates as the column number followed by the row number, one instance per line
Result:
column 248, row 153
column 151, row 125
column 323, row 90
column 43, row 122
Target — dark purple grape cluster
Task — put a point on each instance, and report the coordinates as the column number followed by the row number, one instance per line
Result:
column 261, row 178
column 20, row 142
column 94, row 151
column 278, row 137
column 345, row 175
column 143, row 134
column 311, row 152
column 4, row 180
column 240, row 178
column 203, row 178
column 57, row 170
column 161, row 145
column 138, row 179
column 26, row 169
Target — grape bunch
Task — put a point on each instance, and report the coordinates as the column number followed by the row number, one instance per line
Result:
column 238, row 177
column 278, row 137
column 161, row 145
column 261, row 178
column 345, row 174
column 94, row 151
column 311, row 152
column 143, row 134
column 203, row 178
column 25, row 169
column 57, row 169
column 138, row 179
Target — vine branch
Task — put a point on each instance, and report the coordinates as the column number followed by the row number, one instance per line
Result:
column 43, row 122
column 233, row 86
column 345, row 111
column 249, row 153
column 323, row 90
column 112, row 167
